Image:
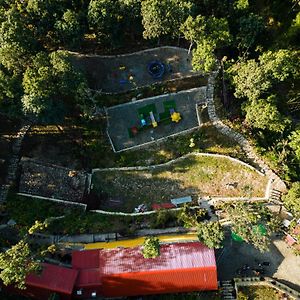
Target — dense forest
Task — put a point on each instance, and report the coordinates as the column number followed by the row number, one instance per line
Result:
column 255, row 43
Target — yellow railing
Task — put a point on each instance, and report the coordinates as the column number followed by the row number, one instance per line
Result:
column 139, row 241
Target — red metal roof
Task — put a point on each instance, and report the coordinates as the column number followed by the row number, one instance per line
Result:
column 125, row 272
column 85, row 259
column 53, row 278
column 172, row 257
column 157, row 206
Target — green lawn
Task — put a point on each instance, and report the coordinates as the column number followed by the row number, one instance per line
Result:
column 195, row 175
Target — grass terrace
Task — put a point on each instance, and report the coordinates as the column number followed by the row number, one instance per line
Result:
column 192, row 176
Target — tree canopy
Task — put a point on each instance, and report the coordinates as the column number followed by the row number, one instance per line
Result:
column 49, row 84
column 164, row 17
column 263, row 114
column 151, row 247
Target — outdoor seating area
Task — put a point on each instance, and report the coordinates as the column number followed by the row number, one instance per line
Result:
column 151, row 119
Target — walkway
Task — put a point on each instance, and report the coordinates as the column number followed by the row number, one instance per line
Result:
column 13, row 163
column 277, row 183
column 139, row 241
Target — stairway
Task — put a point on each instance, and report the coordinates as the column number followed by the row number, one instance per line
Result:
column 227, row 289
column 275, row 197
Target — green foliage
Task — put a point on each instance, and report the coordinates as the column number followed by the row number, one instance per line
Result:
column 292, row 199
column 16, row 41
column 250, row 221
column 164, row 17
column 241, row 4
column 263, row 114
column 253, row 292
column 293, row 32
column 112, row 19
column 16, row 263
column 253, row 79
column 204, row 58
column 210, row 234
column 49, row 84
column 294, row 142
column 250, row 27
column 163, row 218
column 151, row 247
column 68, row 29
column 208, row 33
column 190, row 218
column 249, row 79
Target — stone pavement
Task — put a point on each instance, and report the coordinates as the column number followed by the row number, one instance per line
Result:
column 277, row 183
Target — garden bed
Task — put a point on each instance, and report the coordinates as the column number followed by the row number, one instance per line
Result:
column 192, row 176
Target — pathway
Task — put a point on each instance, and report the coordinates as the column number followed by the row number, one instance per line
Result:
column 277, row 183
column 13, row 163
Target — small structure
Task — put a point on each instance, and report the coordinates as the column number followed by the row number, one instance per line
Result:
column 181, row 267
column 182, row 200
column 53, row 280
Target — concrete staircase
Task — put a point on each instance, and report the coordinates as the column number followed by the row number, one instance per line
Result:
column 227, row 289
column 275, row 196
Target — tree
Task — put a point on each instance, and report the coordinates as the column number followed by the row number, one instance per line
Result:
column 250, row 80
column 51, row 83
column 68, row 29
column 292, row 199
column 190, row 218
column 17, row 42
column 16, row 263
column 210, row 234
column 250, row 222
column 203, row 57
column 20, row 260
column 105, row 17
column 164, row 17
column 294, row 142
column 10, row 92
column 263, row 114
column 151, row 247
column 208, row 34
column 250, row 27
column 253, row 79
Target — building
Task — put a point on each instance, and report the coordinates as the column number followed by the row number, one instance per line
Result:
column 181, row 267
column 53, row 280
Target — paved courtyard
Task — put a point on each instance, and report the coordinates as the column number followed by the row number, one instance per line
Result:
column 284, row 264
column 125, row 116
column 120, row 73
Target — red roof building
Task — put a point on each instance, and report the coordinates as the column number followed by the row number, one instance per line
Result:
column 52, row 279
column 181, row 267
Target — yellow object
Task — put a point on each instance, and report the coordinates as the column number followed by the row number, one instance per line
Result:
column 176, row 117
column 154, row 124
column 139, row 241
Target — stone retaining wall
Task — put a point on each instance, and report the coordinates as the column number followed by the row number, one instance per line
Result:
column 13, row 163
column 277, row 183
